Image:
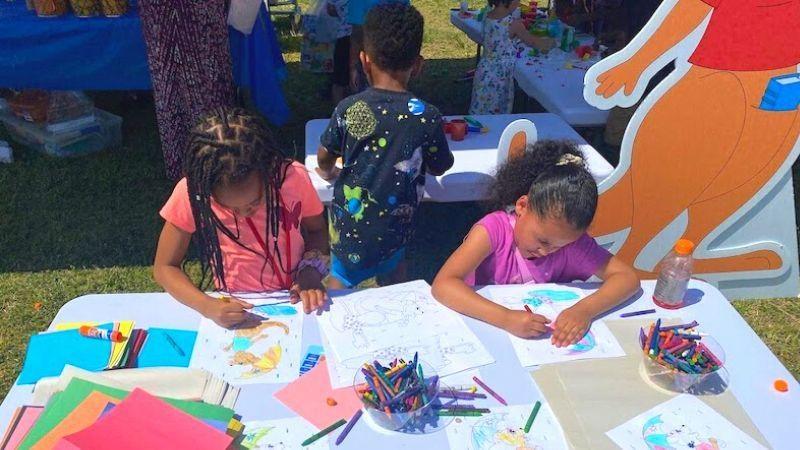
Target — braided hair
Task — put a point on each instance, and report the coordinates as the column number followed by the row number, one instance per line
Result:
column 225, row 148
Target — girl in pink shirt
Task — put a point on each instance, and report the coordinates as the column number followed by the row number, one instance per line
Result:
column 255, row 218
column 544, row 202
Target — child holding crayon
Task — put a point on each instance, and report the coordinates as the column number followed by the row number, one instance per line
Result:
column 254, row 215
column 544, row 201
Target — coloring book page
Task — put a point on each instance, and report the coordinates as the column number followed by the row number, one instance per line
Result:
column 549, row 300
column 504, row 429
column 280, row 434
column 267, row 353
column 683, row 422
column 395, row 322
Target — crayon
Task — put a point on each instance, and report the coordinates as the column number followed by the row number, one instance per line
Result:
column 323, row 432
column 532, row 417
column 638, row 313
column 349, row 427
column 489, row 390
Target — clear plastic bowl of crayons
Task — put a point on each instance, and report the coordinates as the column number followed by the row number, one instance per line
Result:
column 398, row 393
column 681, row 359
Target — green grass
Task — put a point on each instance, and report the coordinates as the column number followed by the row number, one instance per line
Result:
column 70, row 227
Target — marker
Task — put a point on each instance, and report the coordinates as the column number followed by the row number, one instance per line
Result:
column 638, row 313
column 349, row 427
column 100, row 333
column 532, row 417
column 489, row 390
column 460, row 413
column 323, row 432
column 528, row 308
column 174, row 344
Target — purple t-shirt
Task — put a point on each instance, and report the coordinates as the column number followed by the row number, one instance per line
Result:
column 576, row 261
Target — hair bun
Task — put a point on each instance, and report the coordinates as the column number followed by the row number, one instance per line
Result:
column 569, row 158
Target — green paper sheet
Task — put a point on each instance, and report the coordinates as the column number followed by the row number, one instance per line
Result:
column 64, row 402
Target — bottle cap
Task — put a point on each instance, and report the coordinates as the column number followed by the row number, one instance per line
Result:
column 684, row 247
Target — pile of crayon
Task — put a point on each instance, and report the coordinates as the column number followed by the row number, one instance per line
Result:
column 679, row 348
column 399, row 387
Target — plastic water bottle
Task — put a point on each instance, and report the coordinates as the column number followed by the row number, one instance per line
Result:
column 673, row 277
column 464, row 7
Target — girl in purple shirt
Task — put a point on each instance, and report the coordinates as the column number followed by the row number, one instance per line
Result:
column 544, row 201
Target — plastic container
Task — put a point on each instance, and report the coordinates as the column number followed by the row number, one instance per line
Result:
column 114, row 8
column 51, row 8
column 50, row 106
column 85, row 8
column 104, row 132
column 673, row 276
column 673, row 380
column 401, row 421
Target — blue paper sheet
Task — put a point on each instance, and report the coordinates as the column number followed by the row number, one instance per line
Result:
column 48, row 353
column 159, row 352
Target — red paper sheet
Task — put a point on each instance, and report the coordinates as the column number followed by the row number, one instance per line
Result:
column 308, row 397
column 143, row 421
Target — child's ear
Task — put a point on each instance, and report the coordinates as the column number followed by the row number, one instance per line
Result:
column 521, row 206
column 366, row 64
column 417, row 68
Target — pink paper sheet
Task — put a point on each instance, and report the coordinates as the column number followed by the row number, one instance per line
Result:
column 308, row 395
column 25, row 422
column 144, row 421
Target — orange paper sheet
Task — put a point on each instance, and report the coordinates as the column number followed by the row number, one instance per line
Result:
column 308, row 397
column 144, row 421
column 80, row 418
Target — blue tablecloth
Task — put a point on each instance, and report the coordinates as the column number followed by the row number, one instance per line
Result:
column 70, row 53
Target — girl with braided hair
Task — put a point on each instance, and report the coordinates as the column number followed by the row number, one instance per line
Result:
column 543, row 201
column 254, row 216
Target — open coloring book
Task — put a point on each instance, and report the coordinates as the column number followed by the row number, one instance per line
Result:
column 549, row 300
column 397, row 321
column 267, row 353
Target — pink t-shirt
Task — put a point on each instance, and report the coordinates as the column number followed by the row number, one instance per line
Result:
column 243, row 268
column 576, row 261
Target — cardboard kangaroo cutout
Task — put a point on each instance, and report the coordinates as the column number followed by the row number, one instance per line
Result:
column 708, row 154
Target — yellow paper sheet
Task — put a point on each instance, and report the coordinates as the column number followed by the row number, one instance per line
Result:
column 73, row 325
column 118, row 348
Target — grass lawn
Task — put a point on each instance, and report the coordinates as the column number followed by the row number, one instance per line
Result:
column 70, row 227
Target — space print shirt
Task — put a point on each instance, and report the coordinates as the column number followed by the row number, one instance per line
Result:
column 387, row 141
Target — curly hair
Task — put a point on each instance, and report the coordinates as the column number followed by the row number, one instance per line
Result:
column 556, row 186
column 224, row 149
column 393, row 36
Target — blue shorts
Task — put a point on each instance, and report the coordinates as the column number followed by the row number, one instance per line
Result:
column 353, row 278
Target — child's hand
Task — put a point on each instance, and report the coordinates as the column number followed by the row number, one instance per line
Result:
column 571, row 325
column 517, row 28
column 525, row 325
column 308, row 288
column 227, row 313
column 329, row 175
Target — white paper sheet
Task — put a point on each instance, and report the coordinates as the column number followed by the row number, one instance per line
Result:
column 504, row 429
column 281, row 434
column 683, row 422
column 268, row 353
column 396, row 321
column 549, row 300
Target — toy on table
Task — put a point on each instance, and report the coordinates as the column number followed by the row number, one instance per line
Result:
column 584, row 52
column 678, row 357
column 459, row 128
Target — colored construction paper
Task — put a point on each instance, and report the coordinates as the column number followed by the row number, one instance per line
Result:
column 118, row 348
column 308, row 395
column 21, row 423
column 144, row 421
column 158, row 352
column 74, row 325
column 131, row 357
column 49, row 352
column 62, row 403
column 85, row 414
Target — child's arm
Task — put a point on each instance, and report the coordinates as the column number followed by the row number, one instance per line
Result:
column 517, row 30
column 326, row 162
column 451, row 290
column 167, row 271
column 308, row 283
column 619, row 283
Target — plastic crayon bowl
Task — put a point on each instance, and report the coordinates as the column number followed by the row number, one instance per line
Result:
column 709, row 381
column 402, row 419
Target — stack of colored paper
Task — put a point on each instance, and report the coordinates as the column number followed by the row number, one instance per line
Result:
column 49, row 352
column 87, row 416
